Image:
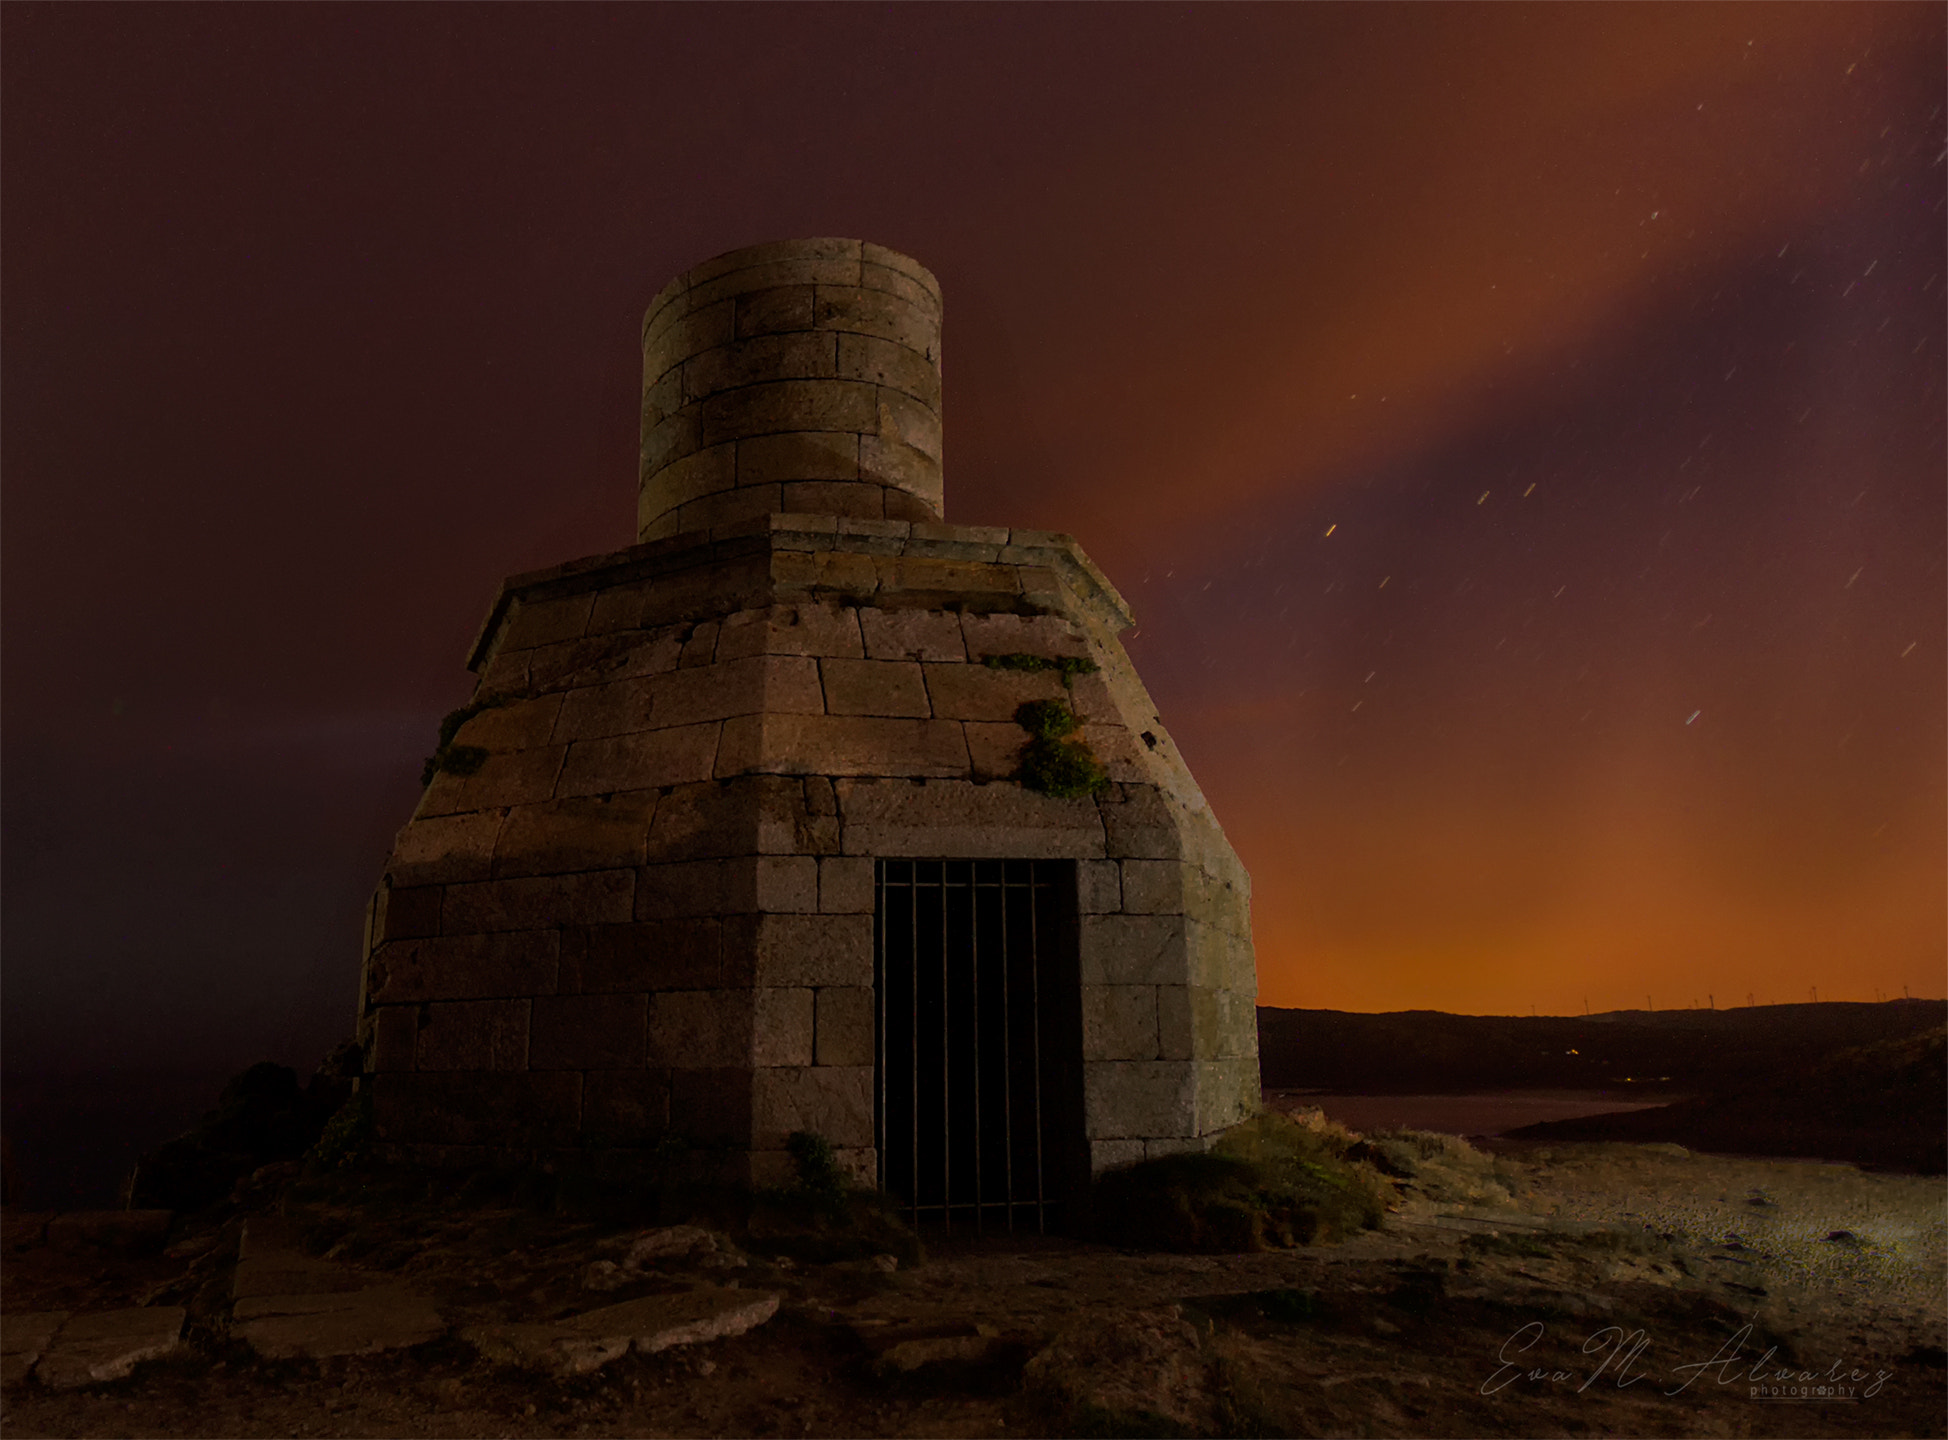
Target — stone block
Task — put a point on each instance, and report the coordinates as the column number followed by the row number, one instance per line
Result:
column 800, row 455
column 833, row 498
column 890, row 462
column 617, row 708
column 912, row 634
column 962, row 819
column 668, row 441
column 699, row 647
column 994, row 748
column 596, row 660
column 689, row 888
column 625, row 1108
column 1217, row 958
column 904, row 500
column 781, row 1031
column 1107, row 1154
column 1153, row 887
column 711, row 1106
column 395, row 1035
column 1228, row 1094
column 587, row 1032
column 794, row 815
column 683, row 326
column 709, row 471
column 1050, row 638
column 1237, row 1025
column 473, row 1035
column 618, row 608
column 93, row 1349
column 878, row 313
column 1119, row 1022
column 520, row 725
column 1133, row 950
column 796, row 405
column 874, row 687
column 407, row 912
column 811, row 627
column 886, row 362
column 543, row 622
column 1100, row 886
column 781, row 308
column 793, row 270
column 975, row 692
column 703, row 820
column 846, row 885
column 816, row 950
column 676, row 756
column 847, row 1021
column 524, row 778
column 1139, row 1099
column 582, row 833
column 801, row 355
column 540, row 902
column 641, row 956
column 910, row 421
column 835, row 1101
column 1187, row 1022
column 24, row 1339
column 695, row 1029
column 1117, row 750
column 1141, row 826
column 504, row 674
column 787, row 884
column 500, row 1110
column 841, row 745
column 465, row 967
column 898, row 282
column 879, row 255
column 772, row 684
column 729, row 508
column 443, row 848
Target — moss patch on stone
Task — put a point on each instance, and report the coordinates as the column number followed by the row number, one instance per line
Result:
column 1052, row 763
column 1068, row 666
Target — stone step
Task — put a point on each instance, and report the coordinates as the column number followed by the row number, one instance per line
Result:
column 586, row 1342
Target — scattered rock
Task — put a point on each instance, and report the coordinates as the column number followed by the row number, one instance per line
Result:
column 670, row 1243
column 1843, row 1237
column 90, row 1349
column 23, row 1339
column 586, row 1342
column 604, row 1275
column 270, row 1262
column 355, row 1322
column 885, row 1264
column 1146, row 1375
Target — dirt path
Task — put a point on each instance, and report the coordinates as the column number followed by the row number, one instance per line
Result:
column 1580, row 1290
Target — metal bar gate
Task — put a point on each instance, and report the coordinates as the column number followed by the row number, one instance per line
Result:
column 978, row 1085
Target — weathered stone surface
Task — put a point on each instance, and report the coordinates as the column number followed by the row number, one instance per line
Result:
column 519, row 725
column 712, row 1106
column 1153, row 887
column 812, row 627
column 975, row 692
column 817, row 950
column 698, row 1028
column 874, row 687
column 834, row 1100
column 479, row 1108
column 444, row 848
column 1119, row 1022
column 465, row 967
column 846, row 885
column 395, row 1038
column 886, row 362
column 846, row 1024
column 586, row 1342
column 407, row 912
column 539, row 902
column 91, row 1349
column 1050, row 636
column 636, row 762
column 525, row 777
column 640, row 956
column 616, row 708
column 1138, row 1099
column 542, row 622
column 271, row 1261
column 775, row 684
column 587, row 1032
column 1099, row 883
column 782, row 1026
column 24, row 1337
column 994, row 748
column 841, row 745
column 889, row 818
column 367, row 1321
column 588, row 832
column 912, row 634
column 629, row 1108
column 1140, row 825
column 803, row 356
column 1134, row 950
column 786, row 884
column 473, row 1035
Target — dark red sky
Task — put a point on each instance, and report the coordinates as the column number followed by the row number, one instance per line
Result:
column 1518, row 428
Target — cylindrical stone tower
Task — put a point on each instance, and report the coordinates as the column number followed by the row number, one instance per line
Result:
column 800, row 376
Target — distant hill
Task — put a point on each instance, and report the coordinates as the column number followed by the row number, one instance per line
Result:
column 1882, row 1104
column 1652, row 1053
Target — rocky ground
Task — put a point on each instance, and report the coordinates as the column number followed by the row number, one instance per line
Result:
column 1600, row 1289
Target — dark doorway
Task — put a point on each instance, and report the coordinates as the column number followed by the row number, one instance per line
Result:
column 979, row 1099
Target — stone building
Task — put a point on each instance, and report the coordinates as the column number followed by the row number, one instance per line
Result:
column 754, row 827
